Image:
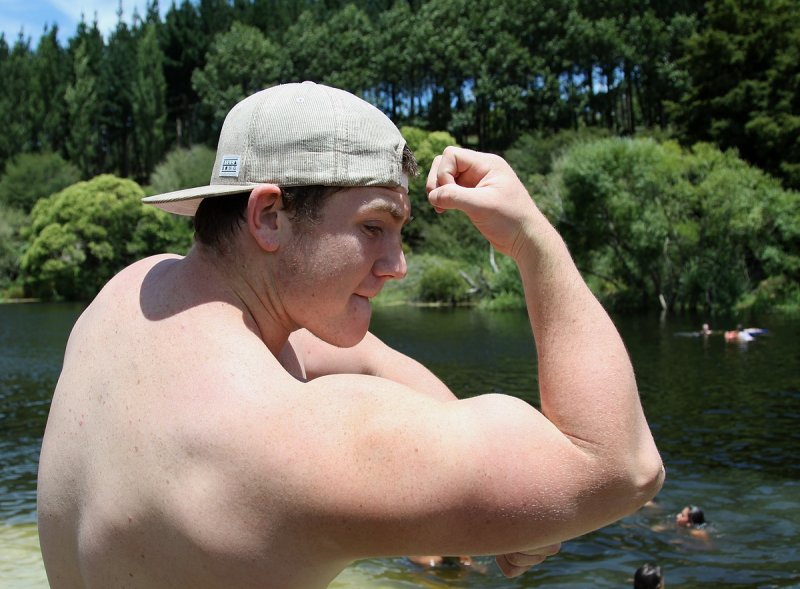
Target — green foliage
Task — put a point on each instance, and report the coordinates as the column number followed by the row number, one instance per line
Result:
column 335, row 48
column 531, row 79
column 115, row 93
column 31, row 176
column 239, row 63
column 744, row 91
column 442, row 283
column 700, row 229
column 431, row 279
column 184, row 48
column 776, row 293
column 84, row 111
column 183, row 168
column 395, row 59
column 47, row 95
column 148, row 106
column 426, row 145
column 16, row 73
column 349, row 50
column 80, row 237
column 532, row 157
column 534, row 153
column 12, row 221
column 505, row 287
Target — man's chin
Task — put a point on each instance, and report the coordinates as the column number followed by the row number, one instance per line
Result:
column 344, row 340
column 350, row 332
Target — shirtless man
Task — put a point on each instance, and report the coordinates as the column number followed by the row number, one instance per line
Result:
column 226, row 420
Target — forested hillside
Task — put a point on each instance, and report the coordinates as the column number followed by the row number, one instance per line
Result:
column 691, row 85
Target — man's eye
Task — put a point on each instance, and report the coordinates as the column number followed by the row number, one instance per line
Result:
column 373, row 229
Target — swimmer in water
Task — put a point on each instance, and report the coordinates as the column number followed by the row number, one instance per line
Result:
column 648, row 576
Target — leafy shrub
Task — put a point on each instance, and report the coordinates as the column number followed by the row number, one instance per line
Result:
column 442, row 283
column 775, row 293
column 11, row 222
column 426, row 145
column 505, row 287
column 535, row 153
column 31, row 176
column 700, row 228
column 80, row 237
column 423, row 270
column 183, row 168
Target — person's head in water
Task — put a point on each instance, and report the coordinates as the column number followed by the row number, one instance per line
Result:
column 648, row 576
column 690, row 516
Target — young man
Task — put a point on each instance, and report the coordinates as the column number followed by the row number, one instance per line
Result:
column 226, row 420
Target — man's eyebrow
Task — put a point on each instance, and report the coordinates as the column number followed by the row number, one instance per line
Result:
column 395, row 210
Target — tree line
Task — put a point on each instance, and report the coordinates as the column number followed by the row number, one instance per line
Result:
column 487, row 71
column 536, row 80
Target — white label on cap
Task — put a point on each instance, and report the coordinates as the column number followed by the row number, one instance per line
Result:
column 230, row 166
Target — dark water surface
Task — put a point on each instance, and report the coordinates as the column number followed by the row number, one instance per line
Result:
column 726, row 418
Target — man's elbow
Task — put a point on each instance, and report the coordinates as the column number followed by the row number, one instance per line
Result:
column 645, row 478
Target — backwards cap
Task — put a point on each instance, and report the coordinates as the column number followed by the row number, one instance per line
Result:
column 298, row 134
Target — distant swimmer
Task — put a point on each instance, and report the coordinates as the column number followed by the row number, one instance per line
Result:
column 648, row 576
column 738, row 335
column 693, row 518
column 704, row 331
column 690, row 516
column 746, row 334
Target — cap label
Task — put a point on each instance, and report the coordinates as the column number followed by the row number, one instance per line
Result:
column 230, row 166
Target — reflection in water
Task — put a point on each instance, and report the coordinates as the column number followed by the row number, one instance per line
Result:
column 725, row 417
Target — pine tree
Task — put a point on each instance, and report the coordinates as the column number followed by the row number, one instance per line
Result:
column 50, row 84
column 148, row 103
column 82, row 99
column 15, row 94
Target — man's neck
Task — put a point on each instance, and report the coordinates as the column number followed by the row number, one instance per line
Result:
column 246, row 287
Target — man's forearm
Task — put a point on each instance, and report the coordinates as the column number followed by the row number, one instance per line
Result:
column 587, row 385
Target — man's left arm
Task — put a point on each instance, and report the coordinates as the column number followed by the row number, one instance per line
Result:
column 370, row 356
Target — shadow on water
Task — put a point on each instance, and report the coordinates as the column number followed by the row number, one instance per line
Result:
column 725, row 417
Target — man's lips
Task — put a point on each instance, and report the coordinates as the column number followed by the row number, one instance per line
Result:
column 367, row 296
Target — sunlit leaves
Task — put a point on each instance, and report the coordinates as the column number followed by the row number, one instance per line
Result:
column 80, row 237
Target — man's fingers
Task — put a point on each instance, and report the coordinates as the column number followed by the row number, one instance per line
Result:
column 433, row 180
column 508, row 569
column 447, row 197
column 444, row 171
column 516, row 563
column 430, row 183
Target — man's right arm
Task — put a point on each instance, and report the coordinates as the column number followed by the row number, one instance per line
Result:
column 374, row 468
column 587, row 387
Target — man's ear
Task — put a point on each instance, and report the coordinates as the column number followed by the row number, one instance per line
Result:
column 265, row 215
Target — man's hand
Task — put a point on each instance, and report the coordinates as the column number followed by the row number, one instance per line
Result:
column 484, row 187
column 516, row 563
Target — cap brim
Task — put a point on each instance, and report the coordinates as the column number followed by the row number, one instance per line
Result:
column 185, row 202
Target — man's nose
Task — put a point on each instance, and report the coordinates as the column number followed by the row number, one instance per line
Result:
column 393, row 263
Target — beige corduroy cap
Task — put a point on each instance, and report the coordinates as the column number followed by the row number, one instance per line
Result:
column 298, row 134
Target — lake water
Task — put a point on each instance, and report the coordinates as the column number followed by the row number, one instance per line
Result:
column 726, row 418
